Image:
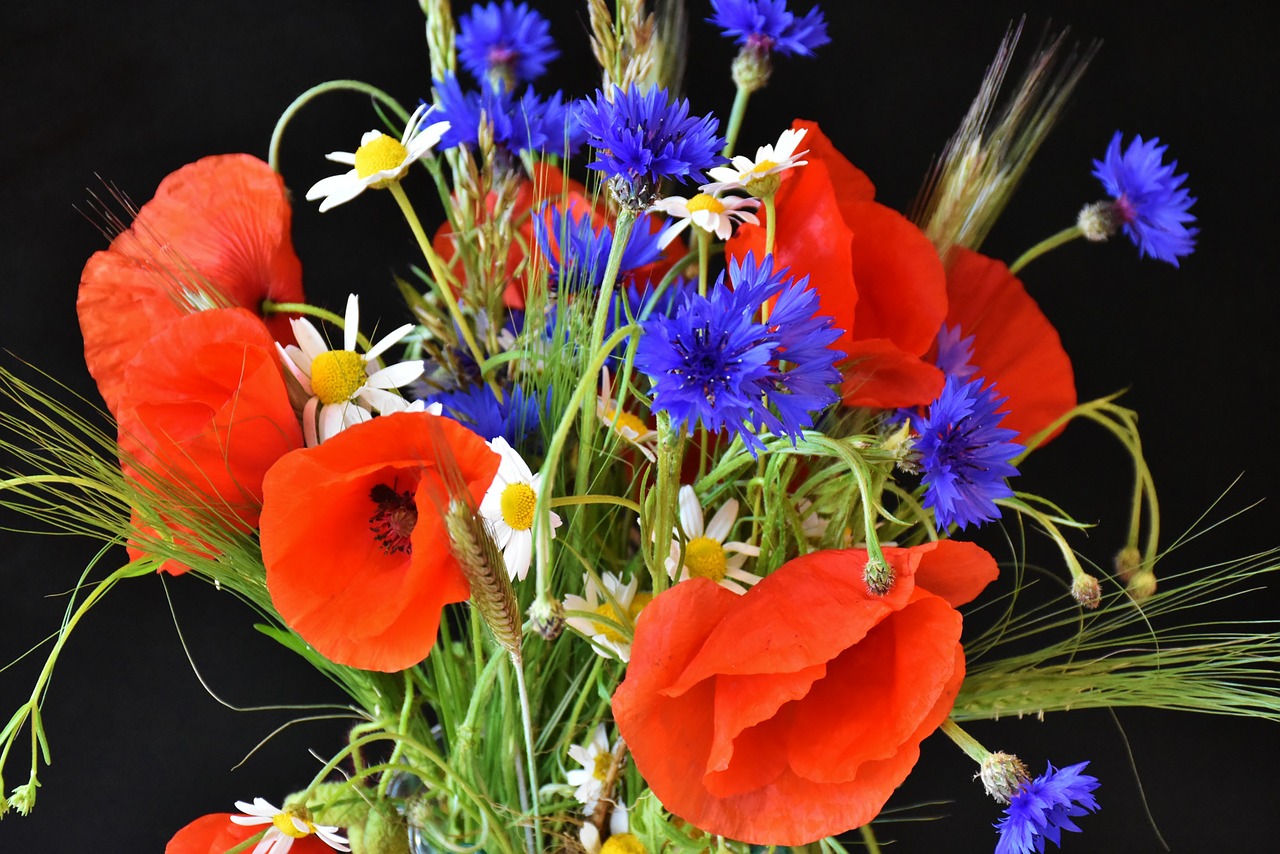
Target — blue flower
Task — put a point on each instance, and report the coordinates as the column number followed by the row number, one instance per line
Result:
column 965, row 453
column 514, row 418
column 713, row 362
column 642, row 138
column 1149, row 201
column 583, row 252
column 511, row 43
column 955, row 352
column 527, row 123
column 1043, row 808
column 766, row 26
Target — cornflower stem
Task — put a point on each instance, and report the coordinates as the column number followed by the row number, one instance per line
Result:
column 1049, row 243
column 736, row 115
column 965, row 742
column 704, row 259
column 441, row 278
column 277, row 134
column 665, row 496
column 555, row 449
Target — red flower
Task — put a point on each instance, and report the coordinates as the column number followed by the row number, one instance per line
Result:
column 206, row 411
column 356, row 551
column 876, row 274
column 793, row 711
column 1014, row 344
column 218, row 225
column 216, row 834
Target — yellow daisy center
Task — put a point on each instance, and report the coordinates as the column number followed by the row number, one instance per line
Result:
column 283, row 822
column 518, row 501
column 637, row 603
column 378, row 154
column 704, row 558
column 622, row 843
column 624, row 421
column 759, row 169
column 706, row 202
column 336, row 375
column 607, row 611
column 604, row 761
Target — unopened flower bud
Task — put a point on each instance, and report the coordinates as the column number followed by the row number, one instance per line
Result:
column 1098, row 221
column 752, row 68
column 1142, row 585
column 1002, row 775
column 1086, row 590
column 547, row 617
column 1127, row 563
column 878, row 576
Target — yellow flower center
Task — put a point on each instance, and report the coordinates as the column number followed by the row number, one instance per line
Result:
column 640, row 600
column 284, row 823
column 622, row 843
column 706, row 202
column 624, row 421
column 759, row 169
column 704, row 558
column 336, row 375
column 607, row 629
column 378, row 154
column 604, row 761
column 518, row 501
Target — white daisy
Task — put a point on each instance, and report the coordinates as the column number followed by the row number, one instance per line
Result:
column 508, row 509
column 758, row 176
column 286, row 826
column 708, row 210
column 597, row 760
column 619, row 829
column 378, row 161
column 344, row 387
column 605, row 638
column 627, row 425
column 705, row 551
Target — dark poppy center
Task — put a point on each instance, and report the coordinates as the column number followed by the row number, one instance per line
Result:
column 392, row 523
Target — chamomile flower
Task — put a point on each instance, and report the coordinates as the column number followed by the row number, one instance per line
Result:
column 599, row 763
column 708, row 210
column 345, row 387
column 619, row 603
column 379, row 161
column 759, row 177
column 620, row 835
column 508, row 508
column 286, row 826
column 629, row 426
column 706, row 554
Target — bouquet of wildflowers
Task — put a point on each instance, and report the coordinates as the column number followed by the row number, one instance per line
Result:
column 651, row 529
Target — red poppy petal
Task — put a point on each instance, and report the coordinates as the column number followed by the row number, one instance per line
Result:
column 757, row 761
column 217, row 833
column 744, row 702
column 850, row 183
column 954, row 569
column 1014, row 344
column 879, row 375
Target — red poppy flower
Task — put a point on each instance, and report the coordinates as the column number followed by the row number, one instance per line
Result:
column 1014, row 344
column 793, row 711
column 354, row 545
column 207, row 411
column 218, row 226
column 217, row 834
column 876, row 274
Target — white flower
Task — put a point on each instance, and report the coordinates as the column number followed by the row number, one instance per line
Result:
column 618, row 602
column 345, row 386
column 597, row 760
column 708, row 210
column 286, row 826
column 589, row 834
column 378, row 161
column 508, row 509
column 705, row 551
column 747, row 174
column 630, row 427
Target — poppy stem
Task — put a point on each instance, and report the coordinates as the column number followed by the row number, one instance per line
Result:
column 1053, row 242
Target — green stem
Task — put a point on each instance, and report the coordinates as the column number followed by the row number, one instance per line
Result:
column 443, row 287
column 735, row 120
column 273, row 150
column 665, row 495
column 271, row 307
column 965, row 742
column 869, row 839
column 704, row 258
column 1065, row 236
column 526, row 721
column 575, row 500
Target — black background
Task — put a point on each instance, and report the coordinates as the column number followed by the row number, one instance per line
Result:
column 134, row 89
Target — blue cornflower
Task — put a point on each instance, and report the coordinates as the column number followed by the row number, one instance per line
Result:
column 766, row 26
column 965, row 453
column 514, row 418
column 713, row 362
column 578, row 254
column 508, row 42
column 1148, row 199
column 955, row 352
column 1044, row 807
column 642, row 138
column 526, row 123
